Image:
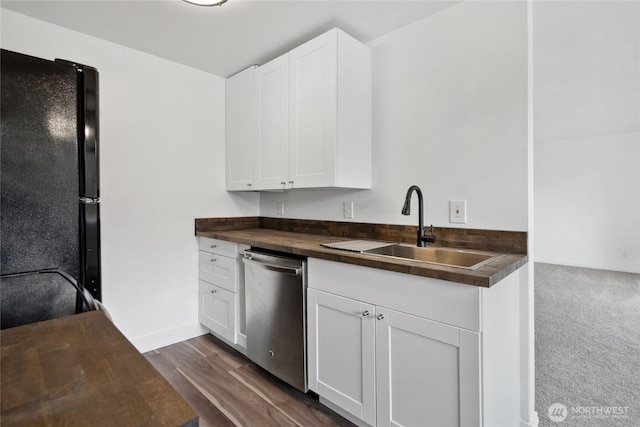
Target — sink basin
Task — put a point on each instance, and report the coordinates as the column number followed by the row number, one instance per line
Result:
column 451, row 257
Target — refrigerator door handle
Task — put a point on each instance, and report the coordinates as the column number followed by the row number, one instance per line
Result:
column 88, row 200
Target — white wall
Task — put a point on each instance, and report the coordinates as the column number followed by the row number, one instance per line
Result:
column 587, row 134
column 162, row 165
column 450, row 115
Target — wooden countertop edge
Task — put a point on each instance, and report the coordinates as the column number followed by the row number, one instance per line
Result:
column 82, row 338
column 309, row 245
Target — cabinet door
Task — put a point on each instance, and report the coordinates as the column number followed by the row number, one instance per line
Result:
column 341, row 353
column 313, row 117
column 217, row 310
column 427, row 373
column 241, row 130
column 272, row 153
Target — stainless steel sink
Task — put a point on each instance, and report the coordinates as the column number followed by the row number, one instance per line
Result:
column 451, row 257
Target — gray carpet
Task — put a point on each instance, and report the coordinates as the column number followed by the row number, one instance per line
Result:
column 587, row 345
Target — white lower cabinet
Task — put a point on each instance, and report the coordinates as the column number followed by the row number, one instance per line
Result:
column 427, row 373
column 221, row 290
column 393, row 349
column 341, row 352
column 217, row 310
column 389, row 368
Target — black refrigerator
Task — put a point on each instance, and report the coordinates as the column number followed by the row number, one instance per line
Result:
column 49, row 180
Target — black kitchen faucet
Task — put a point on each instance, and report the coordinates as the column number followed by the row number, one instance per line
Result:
column 406, row 210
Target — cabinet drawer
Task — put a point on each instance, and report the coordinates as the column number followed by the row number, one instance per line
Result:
column 217, row 310
column 218, row 270
column 220, row 247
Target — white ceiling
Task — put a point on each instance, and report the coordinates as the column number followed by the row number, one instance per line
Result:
column 226, row 39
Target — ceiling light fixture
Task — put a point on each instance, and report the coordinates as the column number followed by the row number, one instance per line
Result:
column 206, row 2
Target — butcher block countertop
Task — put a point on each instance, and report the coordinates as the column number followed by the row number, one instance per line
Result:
column 308, row 244
column 81, row 371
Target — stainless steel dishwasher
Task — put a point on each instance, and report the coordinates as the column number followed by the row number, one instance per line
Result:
column 275, row 289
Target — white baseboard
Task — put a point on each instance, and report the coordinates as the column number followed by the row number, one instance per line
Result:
column 591, row 266
column 343, row 413
column 242, row 339
column 531, row 423
column 167, row 337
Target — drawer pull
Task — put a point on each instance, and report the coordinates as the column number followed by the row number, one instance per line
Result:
column 213, row 291
column 366, row 313
column 214, row 259
column 380, row 316
column 214, row 246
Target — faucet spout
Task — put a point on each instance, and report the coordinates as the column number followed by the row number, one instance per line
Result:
column 406, row 210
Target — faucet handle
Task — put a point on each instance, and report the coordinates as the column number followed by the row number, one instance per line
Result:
column 431, row 238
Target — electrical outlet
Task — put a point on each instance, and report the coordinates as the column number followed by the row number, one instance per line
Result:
column 280, row 208
column 347, row 209
column 458, row 211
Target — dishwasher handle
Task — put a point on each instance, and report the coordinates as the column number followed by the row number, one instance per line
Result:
column 271, row 266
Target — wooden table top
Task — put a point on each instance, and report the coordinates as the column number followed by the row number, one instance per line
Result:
column 81, row 371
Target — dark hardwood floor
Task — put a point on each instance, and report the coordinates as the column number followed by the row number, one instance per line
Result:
column 227, row 389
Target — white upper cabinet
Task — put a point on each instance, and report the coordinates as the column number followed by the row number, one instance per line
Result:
column 271, row 154
column 241, row 130
column 310, row 126
column 330, row 113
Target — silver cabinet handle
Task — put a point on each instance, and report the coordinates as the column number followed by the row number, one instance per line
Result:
column 380, row 316
column 366, row 313
column 213, row 291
